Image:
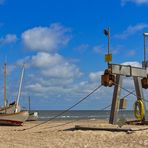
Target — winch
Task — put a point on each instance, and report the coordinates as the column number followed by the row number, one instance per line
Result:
column 107, row 79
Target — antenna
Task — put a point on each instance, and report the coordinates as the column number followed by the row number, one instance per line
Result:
column 108, row 56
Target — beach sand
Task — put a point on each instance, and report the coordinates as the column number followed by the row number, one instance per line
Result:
column 44, row 136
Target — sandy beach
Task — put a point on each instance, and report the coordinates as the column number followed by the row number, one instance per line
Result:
column 44, row 136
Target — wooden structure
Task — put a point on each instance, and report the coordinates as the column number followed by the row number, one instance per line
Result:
column 124, row 70
column 114, row 76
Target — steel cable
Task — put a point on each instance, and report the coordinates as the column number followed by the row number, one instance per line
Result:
column 130, row 92
column 65, row 110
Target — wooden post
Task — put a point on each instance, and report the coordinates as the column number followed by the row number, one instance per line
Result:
column 115, row 100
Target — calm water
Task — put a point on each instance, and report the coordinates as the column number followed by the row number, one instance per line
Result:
column 45, row 115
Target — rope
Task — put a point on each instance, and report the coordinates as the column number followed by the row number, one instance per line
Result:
column 104, row 108
column 130, row 92
column 66, row 109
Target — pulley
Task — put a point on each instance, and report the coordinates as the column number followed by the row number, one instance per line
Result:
column 107, row 79
column 144, row 82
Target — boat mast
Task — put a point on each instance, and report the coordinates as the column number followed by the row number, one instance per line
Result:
column 29, row 104
column 5, row 99
column 20, row 87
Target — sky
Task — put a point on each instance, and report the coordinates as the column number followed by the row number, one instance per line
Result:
column 63, row 46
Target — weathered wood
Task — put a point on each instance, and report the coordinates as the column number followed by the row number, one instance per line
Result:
column 115, row 100
column 127, row 70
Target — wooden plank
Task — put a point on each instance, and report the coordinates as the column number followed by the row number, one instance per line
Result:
column 127, row 70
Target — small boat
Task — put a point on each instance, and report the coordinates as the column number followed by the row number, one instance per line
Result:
column 33, row 116
column 11, row 115
column 14, row 118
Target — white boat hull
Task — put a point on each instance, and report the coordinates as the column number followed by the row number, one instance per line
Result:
column 14, row 118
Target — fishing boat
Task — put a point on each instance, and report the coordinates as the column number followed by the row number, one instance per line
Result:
column 11, row 108
column 33, row 116
column 14, row 118
column 11, row 115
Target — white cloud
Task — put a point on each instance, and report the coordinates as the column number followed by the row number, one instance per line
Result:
column 46, row 38
column 42, row 59
column 37, row 88
column 134, row 64
column 131, row 30
column 62, row 71
column 54, row 65
column 138, row 2
column 95, row 76
column 50, row 74
column 9, row 38
column 23, row 61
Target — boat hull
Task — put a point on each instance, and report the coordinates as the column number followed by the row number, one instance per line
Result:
column 14, row 118
column 33, row 116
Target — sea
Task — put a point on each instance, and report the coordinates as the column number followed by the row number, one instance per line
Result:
column 45, row 115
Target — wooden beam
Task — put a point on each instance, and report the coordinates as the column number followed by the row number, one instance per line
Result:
column 127, row 70
column 115, row 101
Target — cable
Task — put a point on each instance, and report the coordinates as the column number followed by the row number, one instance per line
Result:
column 63, row 124
column 76, row 105
column 121, row 98
column 104, row 108
column 66, row 109
column 130, row 92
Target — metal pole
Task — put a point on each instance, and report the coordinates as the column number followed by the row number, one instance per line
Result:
column 5, row 102
column 29, row 104
column 108, row 40
column 144, row 52
column 20, row 87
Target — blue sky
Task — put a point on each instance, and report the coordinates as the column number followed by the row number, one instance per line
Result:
column 63, row 46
